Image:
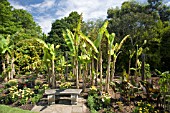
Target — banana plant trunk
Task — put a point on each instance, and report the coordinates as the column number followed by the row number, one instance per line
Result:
column 80, row 71
column 53, row 75
column 7, row 58
column 101, row 70
column 85, row 72
column 97, row 69
column 13, row 68
column 113, row 69
column 108, row 73
column 77, row 73
column 129, row 67
column 92, row 72
column 4, row 70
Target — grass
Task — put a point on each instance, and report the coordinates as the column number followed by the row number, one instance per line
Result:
column 8, row 109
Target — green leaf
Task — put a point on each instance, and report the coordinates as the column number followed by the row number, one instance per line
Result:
column 69, row 37
column 87, row 40
column 100, row 34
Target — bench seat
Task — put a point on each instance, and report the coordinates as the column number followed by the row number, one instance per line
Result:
column 52, row 93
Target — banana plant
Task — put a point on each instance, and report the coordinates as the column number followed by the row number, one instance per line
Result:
column 73, row 40
column 97, row 43
column 130, row 58
column 49, row 60
column 115, row 53
column 6, row 52
column 113, row 50
column 110, row 38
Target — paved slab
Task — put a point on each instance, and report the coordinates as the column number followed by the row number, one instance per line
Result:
column 62, row 108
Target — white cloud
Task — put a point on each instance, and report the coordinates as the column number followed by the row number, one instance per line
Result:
column 47, row 11
column 45, row 22
column 90, row 8
column 16, row 5
column 44, row 6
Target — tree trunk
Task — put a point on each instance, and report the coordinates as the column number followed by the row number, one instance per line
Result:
column 129, row 67
column 4, row 70
column 12, row 68
column 74, row 67
column 80, row 75
column 66, row 73
column 108, row 73
column 143, row 67
column 77, row 76
column 101, row 71
column 9, row 74
column 92, row 72
column 85, row 71
column 113, row 69
column 53, row 75
column 97, row 69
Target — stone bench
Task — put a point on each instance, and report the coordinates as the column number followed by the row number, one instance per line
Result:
column 52, row 93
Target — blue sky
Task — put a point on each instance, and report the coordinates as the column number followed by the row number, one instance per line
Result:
column 45, row 12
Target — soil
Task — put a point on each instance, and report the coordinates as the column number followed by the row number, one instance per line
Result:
column 26, row 106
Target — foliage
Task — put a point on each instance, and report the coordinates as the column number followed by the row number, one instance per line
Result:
column 13, row 82
column 144, row 107
column 65, row 85
column 147, row 71
column 96, row 101
column 36, row 98
column 106, row 99
column 141, row 23
column 164, row 81
column 55, row 35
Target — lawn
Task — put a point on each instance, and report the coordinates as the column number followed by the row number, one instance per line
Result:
column 8, row 109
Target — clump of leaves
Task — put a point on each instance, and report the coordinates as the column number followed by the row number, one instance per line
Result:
column 144, row 107
column 13, row 82
column 65, row 85
column 164, row 81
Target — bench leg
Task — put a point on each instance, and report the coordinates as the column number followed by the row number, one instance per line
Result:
column 51, row 99
column 74, row 99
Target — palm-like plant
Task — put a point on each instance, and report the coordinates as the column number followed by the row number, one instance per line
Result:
column 48, row 59
column 74, row 40
column 5, row 51
column 113, row 50
column 97, row 43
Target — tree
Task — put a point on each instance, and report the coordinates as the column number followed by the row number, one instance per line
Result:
column 133, row 19
column 55, row 35
column 49, row 60
column 24, row 20
column 6, row 49
column 73, row 40
column 165, row 45
column 7, row 25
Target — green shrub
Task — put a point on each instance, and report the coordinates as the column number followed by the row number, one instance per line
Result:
column 106, row 99
column 144, row 107
column 65, row 85
column 36, row 98
column 164, row 81
column 90, row 102
column 13, row 82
